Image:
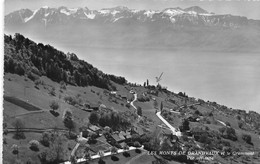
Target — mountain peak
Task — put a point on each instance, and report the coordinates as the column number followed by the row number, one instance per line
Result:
column 196, row 9
column 120, row 8
column 45, row 7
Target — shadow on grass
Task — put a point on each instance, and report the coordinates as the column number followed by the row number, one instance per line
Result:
column 55, row 114
column 33, row 148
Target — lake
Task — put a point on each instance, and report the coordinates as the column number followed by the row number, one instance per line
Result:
column 230, row 79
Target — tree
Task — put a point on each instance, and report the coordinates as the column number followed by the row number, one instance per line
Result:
column 137, row 144
column 58, row 150
column 101, row 154
column 227, row 123
column 68, row 122
column 87, row 155
column 34, row 145
column 18, row 125
column 155, row 103
column 222, row 130
column 240, row 124
column 139, row 111
column 161, row 107
column 15, row 149
column 54, row 105
column 247, row 138
column 45, row 140
column 94, row 118
column 230, row 134
column 113, row 150
column 147, row 82
column 185, row 125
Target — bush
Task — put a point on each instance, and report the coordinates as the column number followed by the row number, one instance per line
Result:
column 114, row 158
column 227, row 124
column 52, row 91
column 139, row 111
column 137, row 144
column 63, row 85
column 72, row 100
column 32, row 76
column 54, row 105
column 138, row 151
column 126, row 154
column 34, row 145
column 127, row 105
column 15, row 149
column 18, row 125
column 45, row 140
column 247, row 138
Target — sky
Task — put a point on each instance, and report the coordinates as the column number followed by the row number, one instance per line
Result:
column 248, row 8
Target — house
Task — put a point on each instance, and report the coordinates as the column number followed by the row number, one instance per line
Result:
column 124, row 97
column 102, row 138
column 95, row 129
column 137, row 130
column 117, row 138
column 192, row 118
column 94, row 106
column 128, row 135
column 87, row 105
column 87, row 109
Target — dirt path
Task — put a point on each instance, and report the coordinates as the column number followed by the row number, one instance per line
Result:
column 29, row 113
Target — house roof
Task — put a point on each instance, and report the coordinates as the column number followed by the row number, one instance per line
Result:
column 121, row 136
column 102, row 138
column 94, row 106
column 116, row 137
column 94, row 128
column 123, row 133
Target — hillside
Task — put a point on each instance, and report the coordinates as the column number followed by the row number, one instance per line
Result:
column 171, row 28
column 22, row 56
column 37, row 77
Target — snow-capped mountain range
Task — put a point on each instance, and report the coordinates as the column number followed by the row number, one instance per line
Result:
column 192, row 15
column 120, row 26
